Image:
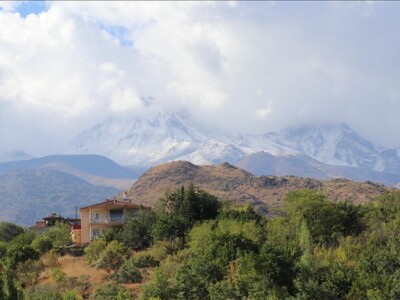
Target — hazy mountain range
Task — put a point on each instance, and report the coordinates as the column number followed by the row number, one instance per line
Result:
column 27, row 196
column 110, row 156
column 95, row 169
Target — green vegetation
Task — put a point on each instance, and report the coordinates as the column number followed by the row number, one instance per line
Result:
column 8, row 231
column 194, row 247
column 110, row 291
column 21, row 261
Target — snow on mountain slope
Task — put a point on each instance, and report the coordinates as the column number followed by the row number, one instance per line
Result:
column 212, row 151
column 335, row 145
column 146, row 141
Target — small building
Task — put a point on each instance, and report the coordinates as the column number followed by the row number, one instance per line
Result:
column 76, row 234
column 99, row 217
column 51, row 221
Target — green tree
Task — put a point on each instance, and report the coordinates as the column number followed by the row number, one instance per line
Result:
column 8, row 231
column 17, row 253
column 11, row 289
column 325, row 221
column 136, row 233
column 59, row 235
column 158, row 288
column 179, row 210
column 42, row 243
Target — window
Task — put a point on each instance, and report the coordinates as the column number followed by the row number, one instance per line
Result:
column 95, row 233
column 116, row 215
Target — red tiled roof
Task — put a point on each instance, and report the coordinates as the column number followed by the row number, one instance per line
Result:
column 76, row 226
column 39, row 224
column 113, row 204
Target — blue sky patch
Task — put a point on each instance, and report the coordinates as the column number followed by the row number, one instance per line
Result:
column 26, row 8
column 119, row 32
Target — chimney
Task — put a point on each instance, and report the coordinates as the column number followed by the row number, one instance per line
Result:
column 125, row 196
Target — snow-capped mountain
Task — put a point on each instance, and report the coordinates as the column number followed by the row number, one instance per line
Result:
column 147, row 141
column 328, row 150
column 331, row 144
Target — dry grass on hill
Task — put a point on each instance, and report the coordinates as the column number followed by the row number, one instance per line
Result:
column 228, row 182
column 78, row 266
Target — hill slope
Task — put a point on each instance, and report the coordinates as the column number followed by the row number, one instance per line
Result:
column 96, row 169
column 29, row 195
column 228, row 182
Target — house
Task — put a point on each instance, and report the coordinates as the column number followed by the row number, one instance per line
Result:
column 52, row 220
column 103, row 216
column 76, row 234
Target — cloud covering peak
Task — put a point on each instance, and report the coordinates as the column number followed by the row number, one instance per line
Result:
column 270, row 65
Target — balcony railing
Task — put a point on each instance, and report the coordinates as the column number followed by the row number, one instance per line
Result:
column 110, row 220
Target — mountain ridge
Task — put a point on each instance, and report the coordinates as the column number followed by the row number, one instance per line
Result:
column 226, row 181
column 95, row 169
column 327, row 151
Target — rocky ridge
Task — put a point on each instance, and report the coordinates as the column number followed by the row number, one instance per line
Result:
column 265, row 193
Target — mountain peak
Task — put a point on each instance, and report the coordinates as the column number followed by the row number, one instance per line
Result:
column 163, row 136
column 330, row 143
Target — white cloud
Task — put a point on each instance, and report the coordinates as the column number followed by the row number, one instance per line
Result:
column 79, row 62
column 125, row 99
column 9, row 6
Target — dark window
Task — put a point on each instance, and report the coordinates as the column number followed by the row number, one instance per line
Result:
column 116, row 215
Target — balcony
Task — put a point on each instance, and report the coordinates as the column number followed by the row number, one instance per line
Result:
column 113, row 220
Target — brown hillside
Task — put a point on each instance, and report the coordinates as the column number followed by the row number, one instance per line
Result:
column 228, row 182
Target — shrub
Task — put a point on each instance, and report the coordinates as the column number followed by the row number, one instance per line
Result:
column 28, row 272
column 73, row 287
column 94, row 249
column 161, row 249
column 23, row 239
column 112, row 257
column 115, row 292
column 43, row 244
column 3, row 249
column 70, row 295
column 145, row 260
column 50, row 259
column 128, row 272
column 43, row 292
column 17, row 254
column 57, row 274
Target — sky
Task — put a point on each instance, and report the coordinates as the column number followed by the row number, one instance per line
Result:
column 245, row 67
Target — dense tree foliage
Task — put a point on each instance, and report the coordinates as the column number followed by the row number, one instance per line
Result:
column 20, row 261
column 194, row 247
column 315, row 250
column 179, row 210
column 8, row 231
column 137, row 232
